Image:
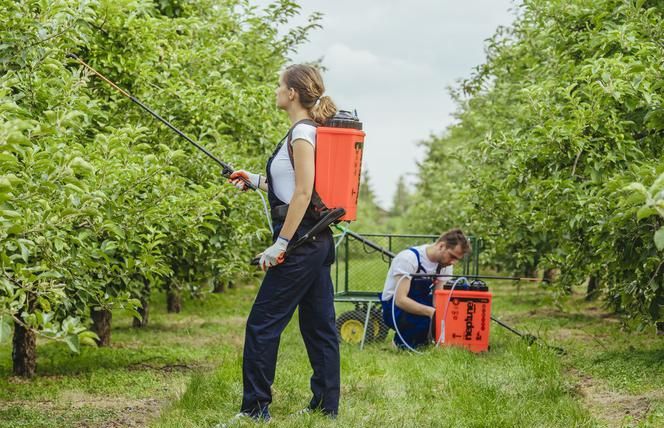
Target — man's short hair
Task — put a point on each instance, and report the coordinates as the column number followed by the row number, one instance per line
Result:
column 454, row 237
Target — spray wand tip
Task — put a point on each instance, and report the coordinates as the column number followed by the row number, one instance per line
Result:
column 71, row 55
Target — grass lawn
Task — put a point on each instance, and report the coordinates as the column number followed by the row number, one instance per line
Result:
column 184, row 370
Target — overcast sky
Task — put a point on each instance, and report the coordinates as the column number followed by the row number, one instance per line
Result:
column 393, row 60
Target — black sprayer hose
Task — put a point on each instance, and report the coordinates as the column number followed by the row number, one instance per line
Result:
column 508, row 278
column 227, row 170
column 529, row 338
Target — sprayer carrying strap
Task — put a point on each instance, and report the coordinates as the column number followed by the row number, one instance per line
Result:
column 316, row 206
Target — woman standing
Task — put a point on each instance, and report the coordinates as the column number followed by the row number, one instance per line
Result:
column 303, row 278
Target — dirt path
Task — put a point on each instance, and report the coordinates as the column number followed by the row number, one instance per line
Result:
column 120, row 411
column 611, row 407
column 128, row 412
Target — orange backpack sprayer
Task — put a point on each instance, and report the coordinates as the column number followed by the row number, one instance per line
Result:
column 339, row 147
column 463, row 315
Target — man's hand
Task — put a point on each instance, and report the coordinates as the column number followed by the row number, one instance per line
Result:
column 274, row 254
column 238, row 179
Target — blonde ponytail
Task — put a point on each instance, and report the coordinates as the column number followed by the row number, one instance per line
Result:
column 308, row 83
column 323, row 110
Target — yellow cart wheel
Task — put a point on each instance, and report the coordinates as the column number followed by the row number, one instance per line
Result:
column 351, row 331
column 350, row 326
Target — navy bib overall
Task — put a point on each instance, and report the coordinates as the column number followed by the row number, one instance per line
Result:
column 303, row 280
column 415, row 329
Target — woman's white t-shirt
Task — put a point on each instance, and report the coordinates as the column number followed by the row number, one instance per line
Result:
column 405, row 263
column 281, row 169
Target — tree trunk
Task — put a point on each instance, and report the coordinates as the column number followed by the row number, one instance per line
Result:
column 101, row 324
column 173, row 299
column 593, row 288
column 530, row 271
column 219, row 286
column 24, row 352
column 144, row 310
column 548, row 275
column 660, row 328
column 231, row 285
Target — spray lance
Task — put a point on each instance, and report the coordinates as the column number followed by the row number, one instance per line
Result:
column 326, row 219
column 226, row 169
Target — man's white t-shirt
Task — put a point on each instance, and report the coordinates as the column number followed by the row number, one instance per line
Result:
column 281, row 170
column 405, row 263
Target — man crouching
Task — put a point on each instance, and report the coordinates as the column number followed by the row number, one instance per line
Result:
column 409, row 301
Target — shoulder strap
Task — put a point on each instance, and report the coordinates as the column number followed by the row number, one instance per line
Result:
column 289, row 137
column 420, row 268
column 317, row 205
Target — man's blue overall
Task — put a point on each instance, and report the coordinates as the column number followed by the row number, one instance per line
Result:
column 302, row 280
column 415, row 329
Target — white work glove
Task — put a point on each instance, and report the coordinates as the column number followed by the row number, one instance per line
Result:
column 274, row 254
column 237, row 179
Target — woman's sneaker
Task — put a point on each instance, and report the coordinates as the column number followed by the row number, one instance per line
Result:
column 304, row 411
column 309, row 410
column 245, row 416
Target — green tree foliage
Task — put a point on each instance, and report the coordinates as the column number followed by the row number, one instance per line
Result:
column 566, row 112
column 97, row 199
column 397, row 221
column 401, row 198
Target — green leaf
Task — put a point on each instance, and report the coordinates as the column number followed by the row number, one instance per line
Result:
column 88, row 338
column 5, row 328
column 25, row 252
column 8, row 158
column 209, row 226
column 657, row 185
column 18, row 139
column 9, row 213
column 645, row 212
column 659, row 239
column 134, row 313
column 655, row 119
column 73, row 343
column 638, row 187
column 75, row 188
column 113, row 228
column 44, row 303
column 5, row 184
column 81, row 166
